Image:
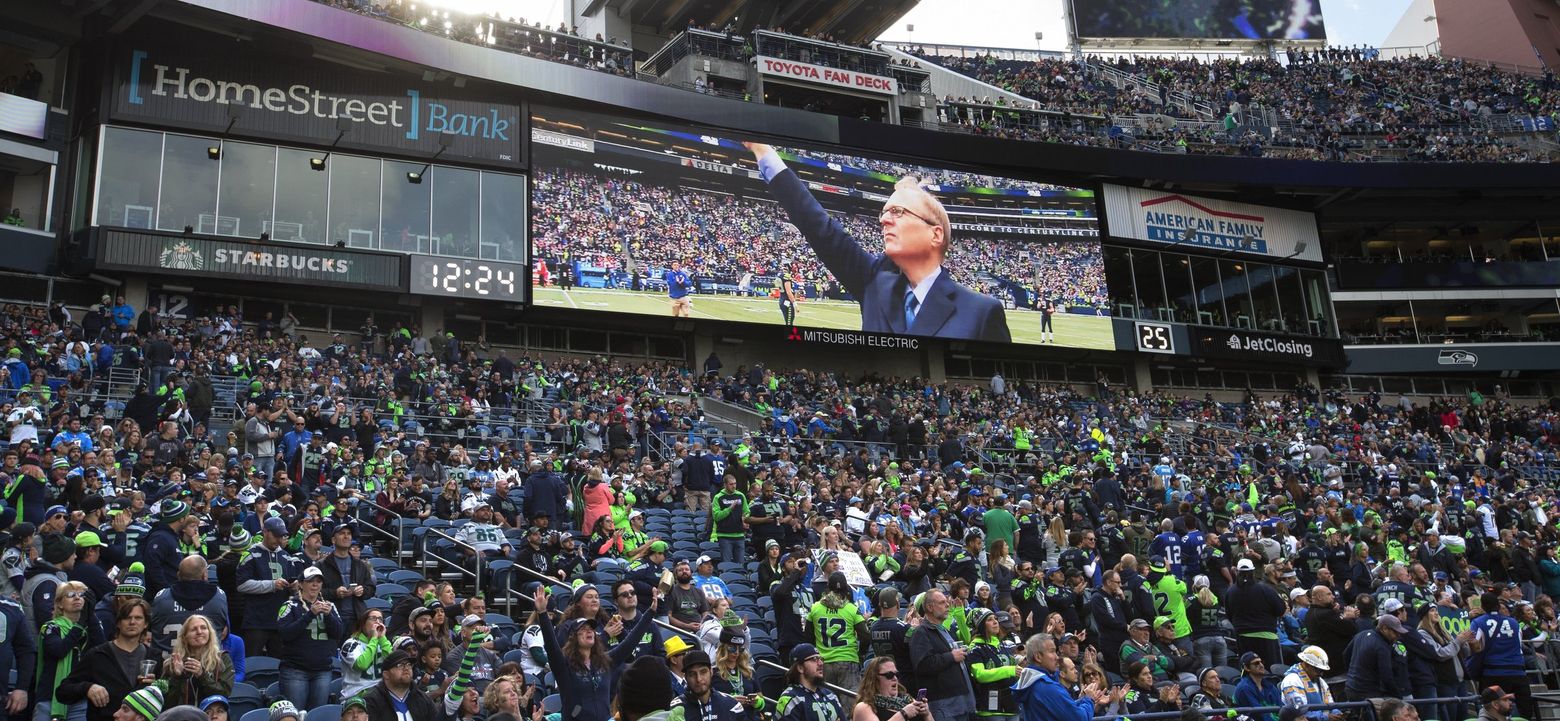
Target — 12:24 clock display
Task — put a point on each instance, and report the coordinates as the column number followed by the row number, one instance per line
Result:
column 468, row 278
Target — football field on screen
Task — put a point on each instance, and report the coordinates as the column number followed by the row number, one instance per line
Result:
column 1078, row 331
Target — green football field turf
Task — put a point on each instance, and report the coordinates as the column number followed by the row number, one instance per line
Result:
column 1076, row 331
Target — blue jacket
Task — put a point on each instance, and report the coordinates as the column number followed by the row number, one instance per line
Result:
column 1041, row 697
column 1247, row 694
column 949, row 310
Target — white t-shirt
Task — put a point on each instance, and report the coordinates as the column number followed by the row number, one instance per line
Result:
column 24, row 424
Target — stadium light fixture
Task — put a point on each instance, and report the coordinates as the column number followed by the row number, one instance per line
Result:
column 342, row 126
column 214, row 151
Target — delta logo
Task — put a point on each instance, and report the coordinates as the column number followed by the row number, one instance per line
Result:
column 1180, row 220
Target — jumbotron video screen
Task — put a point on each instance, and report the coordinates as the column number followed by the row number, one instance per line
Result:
column 1200, row 19
column 629, row 216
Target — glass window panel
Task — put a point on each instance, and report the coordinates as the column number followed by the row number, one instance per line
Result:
column 1150, row 285
column 957, row 367
column 628, row 344
column 455, row 203
column 1178, row 286
column 982, row 367
column 261, row 311
column 405, row 227
column 1264, row 296
column 1317, row 302
column 301, row 193
column 189, row 185
column 547, row 337
column 1291, row 300
column 587, row 341
column 248, row 182
column 310, row 315
column 72, row 293
column 666, row 347
column 1210, row 296
column 1394, row 384
column 354, row 201
column 347, row 320
column 127, row 190
column 1232, row 276
column 1118, row 277
column 503, row 217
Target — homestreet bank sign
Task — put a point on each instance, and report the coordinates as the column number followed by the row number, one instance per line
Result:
column 279, row 98
column 285, row 262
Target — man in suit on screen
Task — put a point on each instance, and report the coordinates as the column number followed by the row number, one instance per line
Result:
column 905, row 290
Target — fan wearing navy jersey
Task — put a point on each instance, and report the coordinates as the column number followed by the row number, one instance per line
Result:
column 1191, row 548
column 1167, row 545
column 1309, row 559
column 807, row 698
column 1500, row 662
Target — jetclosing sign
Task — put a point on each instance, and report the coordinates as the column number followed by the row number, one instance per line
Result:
column 243, row 90
column 832, row 77
column 1197, row 222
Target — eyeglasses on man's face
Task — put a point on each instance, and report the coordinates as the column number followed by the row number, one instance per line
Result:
column 897, row 212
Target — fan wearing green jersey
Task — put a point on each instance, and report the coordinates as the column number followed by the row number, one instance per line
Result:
column 840, row 632
column 1168, row 594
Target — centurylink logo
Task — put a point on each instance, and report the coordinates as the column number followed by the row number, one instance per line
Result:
column 413, row 115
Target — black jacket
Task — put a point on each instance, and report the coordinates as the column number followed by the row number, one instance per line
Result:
column 351, row 608
column 98, row 666
column 418, row 705
column 935, row 669
column 1376, row 669
column 1253, row 607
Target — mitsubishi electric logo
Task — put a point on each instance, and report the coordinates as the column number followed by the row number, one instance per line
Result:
column 845, row 337
column 414, row 115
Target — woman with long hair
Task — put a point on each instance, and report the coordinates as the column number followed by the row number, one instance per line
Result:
column 770, row 570
column 1441, row 651
column 198, row 667
column 585, row 673
column 880, row 565
column 734, row 668
column 63, row 640
column 363, row 653
column 508, row 694
column 881, row 698
column 1002, row 570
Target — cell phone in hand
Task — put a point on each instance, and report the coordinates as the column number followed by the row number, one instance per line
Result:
column 920, row 695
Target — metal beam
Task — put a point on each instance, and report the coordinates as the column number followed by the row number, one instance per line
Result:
column 129, row 17
column 840, row 13
column 672, row 17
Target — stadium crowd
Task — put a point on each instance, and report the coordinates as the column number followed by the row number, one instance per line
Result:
column 1337, row 104
column 1430, row 109
column 631, row 227
column 1023, row 550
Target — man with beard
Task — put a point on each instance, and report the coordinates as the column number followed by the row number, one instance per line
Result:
column 1028, row 596
column 419, row 626
column 534, row 555
column 686, row 601
column 769, row 516
column 701, row 702
column 807, row 699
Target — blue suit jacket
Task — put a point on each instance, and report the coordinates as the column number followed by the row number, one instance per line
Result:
column 950, row 310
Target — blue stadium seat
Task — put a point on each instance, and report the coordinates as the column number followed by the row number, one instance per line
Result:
column 259, row 714
column 261, row 671
column 243, row 698
column 405, row 577
column 328, row 712
column 391, row 590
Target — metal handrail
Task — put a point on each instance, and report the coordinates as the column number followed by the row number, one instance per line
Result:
column 439, row 562
column 668, row 626
column 395, row 536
